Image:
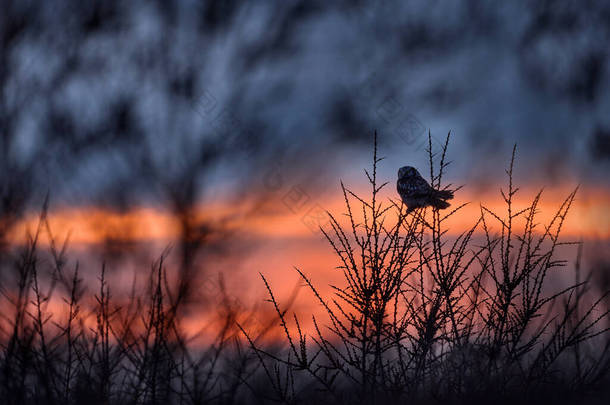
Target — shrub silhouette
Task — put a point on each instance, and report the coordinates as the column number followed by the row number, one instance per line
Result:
column 421, row 316
column 425, row 316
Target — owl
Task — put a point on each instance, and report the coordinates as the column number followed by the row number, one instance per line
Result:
column 417, row 193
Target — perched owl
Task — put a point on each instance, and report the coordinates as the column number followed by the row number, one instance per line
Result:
column 417, row 193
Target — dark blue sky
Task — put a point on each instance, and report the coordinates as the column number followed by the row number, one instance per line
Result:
column 119, row 102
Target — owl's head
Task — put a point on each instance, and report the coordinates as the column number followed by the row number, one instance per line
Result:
column 407, row 172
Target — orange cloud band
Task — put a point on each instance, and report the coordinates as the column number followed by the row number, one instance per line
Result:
column 282, row 217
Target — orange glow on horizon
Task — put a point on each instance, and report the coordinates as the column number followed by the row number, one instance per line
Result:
column 589, row 217
column 289, row 242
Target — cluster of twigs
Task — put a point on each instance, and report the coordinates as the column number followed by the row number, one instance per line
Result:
column 424, row 315
column 98, row 348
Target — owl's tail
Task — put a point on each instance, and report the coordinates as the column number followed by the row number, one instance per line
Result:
column 444, row 194
column 441, row 204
